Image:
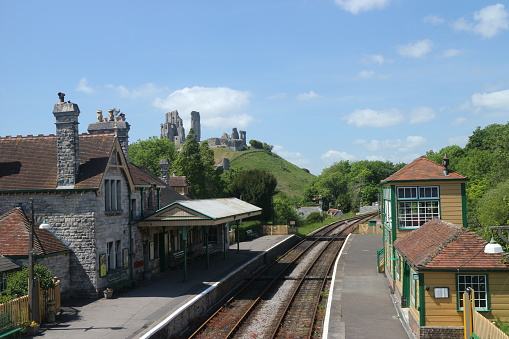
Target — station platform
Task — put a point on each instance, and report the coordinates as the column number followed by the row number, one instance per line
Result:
column 360, row 304
column 135, row 312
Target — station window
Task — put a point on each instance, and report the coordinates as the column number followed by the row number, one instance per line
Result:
column 416, row 205
column 479, row 283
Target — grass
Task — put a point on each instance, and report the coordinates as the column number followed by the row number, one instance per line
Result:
column 291, row 179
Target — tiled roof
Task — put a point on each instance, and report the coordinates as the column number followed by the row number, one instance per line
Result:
column 30, row 163
column 439, row 245
column 143, row 177
column 15, row 236
column 423, row 169
column 179, row 181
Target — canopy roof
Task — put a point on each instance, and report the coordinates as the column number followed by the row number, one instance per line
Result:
column 204, row 212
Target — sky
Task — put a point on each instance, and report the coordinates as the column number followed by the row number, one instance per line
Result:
column 320, row 80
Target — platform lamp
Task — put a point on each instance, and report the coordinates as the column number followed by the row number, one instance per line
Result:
column 492, row 246
column 33, row 298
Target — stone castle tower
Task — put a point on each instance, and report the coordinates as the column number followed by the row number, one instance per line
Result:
column 173, row 128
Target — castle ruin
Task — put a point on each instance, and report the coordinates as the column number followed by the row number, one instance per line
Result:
column 173, row 129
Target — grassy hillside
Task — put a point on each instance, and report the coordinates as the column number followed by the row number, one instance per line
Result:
column 291, row 178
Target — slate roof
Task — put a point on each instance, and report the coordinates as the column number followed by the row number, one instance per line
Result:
column 439, row 245
column 7, row 264
column 423, row 169
column 30, row 163
column 15, row 236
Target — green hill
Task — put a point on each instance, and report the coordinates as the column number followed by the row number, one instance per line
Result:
column 291, row 178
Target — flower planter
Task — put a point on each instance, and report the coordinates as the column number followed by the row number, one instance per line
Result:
column 33, row 330
column 108, row 294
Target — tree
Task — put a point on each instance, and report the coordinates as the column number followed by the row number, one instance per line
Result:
column 214, row 186
column 493, row 209
column 256, row 144
column 284, row 212
column 256, row 187
column 147, row 153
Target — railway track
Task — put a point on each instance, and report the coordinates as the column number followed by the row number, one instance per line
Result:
column 281, row 300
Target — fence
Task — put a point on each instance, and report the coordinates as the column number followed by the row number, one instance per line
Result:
column 18, row 308
column 275, row 230
column 475, row 324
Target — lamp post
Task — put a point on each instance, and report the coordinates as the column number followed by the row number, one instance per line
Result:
column 33, row 300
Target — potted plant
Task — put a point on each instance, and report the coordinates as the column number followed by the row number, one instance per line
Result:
column 108, row 293
column 33, row 328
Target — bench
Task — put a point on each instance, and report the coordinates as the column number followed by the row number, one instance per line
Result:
column 212, row 250
column 251, row 235
column 118, row 280
column 177, row 258
column 7, row 327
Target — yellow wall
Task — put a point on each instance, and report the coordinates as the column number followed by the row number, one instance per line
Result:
column 442, row 312
column 450, row 201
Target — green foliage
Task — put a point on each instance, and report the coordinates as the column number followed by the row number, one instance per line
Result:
column 314, row 218
column 196, row 162
column 291, row 179
column 493, row 209
column 256, row 187
column 147, row 153
column 347, row 186
column 256, row 144
column 284, row 211
column 17, row 282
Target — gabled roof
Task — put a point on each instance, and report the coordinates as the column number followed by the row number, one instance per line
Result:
column 15, row 236
column 201, row 212
column 7, row 264
column 30, row 163
column 439, row 245
column 179, row 181
column 143, row 177
column 423, row 169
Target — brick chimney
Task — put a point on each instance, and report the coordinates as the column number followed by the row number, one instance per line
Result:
column 68, row 153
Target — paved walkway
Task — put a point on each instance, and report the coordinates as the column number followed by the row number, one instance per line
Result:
column 139, row 309
column 361, row 306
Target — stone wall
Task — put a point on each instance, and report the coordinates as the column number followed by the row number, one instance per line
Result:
column 427, row 332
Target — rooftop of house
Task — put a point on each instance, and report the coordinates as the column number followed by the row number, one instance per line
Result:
column 179, row 181
column 423, row 169
column 440, row 245
column 15, row 236
column 7, row 264
column 30, row 163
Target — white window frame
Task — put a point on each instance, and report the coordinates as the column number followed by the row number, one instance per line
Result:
column 416, row 205
column 479, row 283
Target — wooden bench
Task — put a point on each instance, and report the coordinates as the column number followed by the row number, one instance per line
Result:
column 211, row 248
column 177, row 259
column 118, row 280
column 7, row 327
column 251, row 235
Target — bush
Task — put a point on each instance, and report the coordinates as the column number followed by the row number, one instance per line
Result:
column 17, row 282
column 314, row 217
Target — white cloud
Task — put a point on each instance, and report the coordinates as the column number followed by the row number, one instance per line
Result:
column 489, row 21
column 83, row 86
column 433, row 19
column 357, row 6
column 277, row 96
column 417, row 49
column 460, row 141
column 399, row 144
column 219, row 107
column 365, row 74
column 308, row 96
column 450, row 53
column 294, row 157
column 421, row 114
column 493, row 100
column 148, row 90
column 333, row 156
column 372, row 118
column 375, row 59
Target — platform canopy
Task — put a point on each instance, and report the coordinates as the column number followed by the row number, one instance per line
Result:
column 201, row 212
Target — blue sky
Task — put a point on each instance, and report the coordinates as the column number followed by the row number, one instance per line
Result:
column 321, row 80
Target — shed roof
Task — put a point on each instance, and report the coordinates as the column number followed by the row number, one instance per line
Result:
column 7, row 264
column 423, row 169
column 440, row 245
column 201, row 212
column 15, row 236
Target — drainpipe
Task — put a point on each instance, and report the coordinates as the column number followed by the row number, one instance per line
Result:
column 422, row 301
column 131, row 264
